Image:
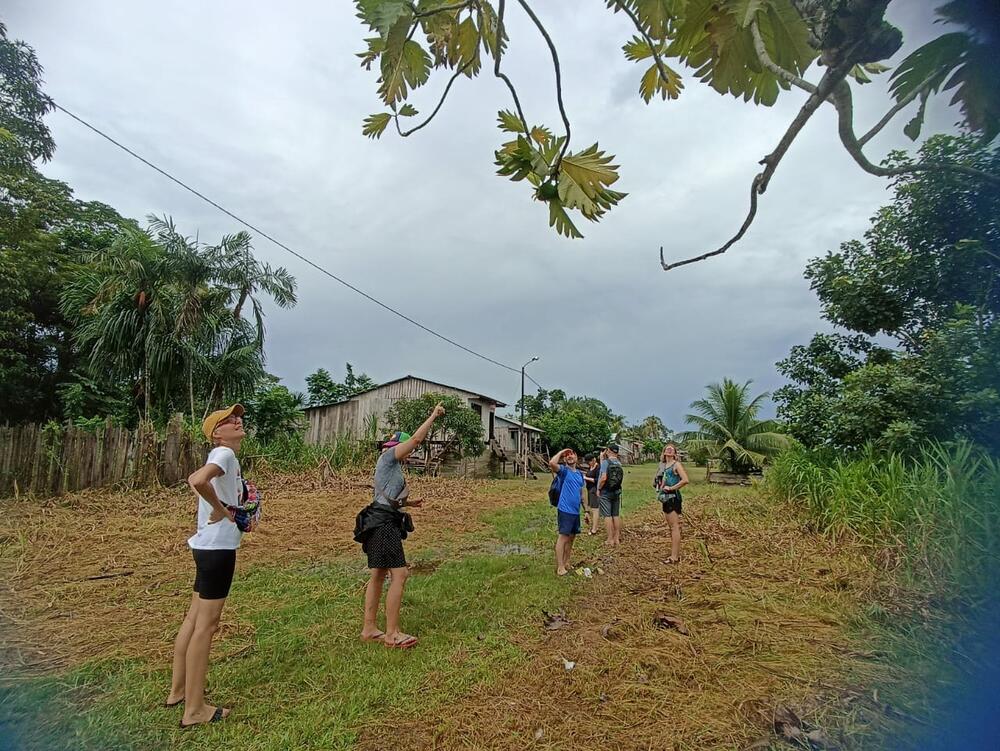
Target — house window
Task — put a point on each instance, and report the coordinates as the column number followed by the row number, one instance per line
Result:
column 492, row 425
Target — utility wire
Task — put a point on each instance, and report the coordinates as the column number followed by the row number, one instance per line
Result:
column 280, row 244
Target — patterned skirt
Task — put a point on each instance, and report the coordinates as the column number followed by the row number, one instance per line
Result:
column 384, row 547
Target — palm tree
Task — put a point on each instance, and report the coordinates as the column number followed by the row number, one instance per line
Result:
column 122, row 312
column 244, row 276
column 157, row 309
column 727, row 426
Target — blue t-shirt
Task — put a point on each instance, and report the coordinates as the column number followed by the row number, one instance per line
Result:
column 572, row 484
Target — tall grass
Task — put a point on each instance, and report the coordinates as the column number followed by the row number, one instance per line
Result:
column 941, row 507
column 291, row 454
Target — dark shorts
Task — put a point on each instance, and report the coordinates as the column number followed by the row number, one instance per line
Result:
column 569, row 524
column 385, row 547
column 611, row 505
column 592, row 500
column 213, row 573
column 671, row 503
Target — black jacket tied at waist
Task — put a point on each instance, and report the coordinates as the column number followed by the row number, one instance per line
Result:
column 376, row 515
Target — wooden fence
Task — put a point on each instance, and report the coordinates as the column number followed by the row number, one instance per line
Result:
column 51, row 460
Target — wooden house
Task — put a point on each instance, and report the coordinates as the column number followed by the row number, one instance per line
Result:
column 366, row 414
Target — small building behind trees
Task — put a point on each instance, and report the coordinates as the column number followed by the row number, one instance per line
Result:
column 363, row 416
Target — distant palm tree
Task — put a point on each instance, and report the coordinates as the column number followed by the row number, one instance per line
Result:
column 122, row 313
column 244, row 277
column 160, row 311
column 727, row 426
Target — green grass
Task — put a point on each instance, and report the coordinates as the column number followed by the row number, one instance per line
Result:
column 934, row 622
column 308, row 681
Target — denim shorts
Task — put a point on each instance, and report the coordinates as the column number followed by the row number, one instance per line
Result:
column 569, row 524
column 611, row 505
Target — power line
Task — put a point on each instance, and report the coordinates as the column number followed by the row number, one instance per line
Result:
column 281, row 245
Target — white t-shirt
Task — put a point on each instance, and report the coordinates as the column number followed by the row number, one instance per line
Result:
column 224, row 534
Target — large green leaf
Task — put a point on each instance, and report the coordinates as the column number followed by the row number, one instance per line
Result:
column 933, row 61
column 467, row 41
column 715, row 39
column 509, row 122
column 376, row 45
column 652, row 82
column 591, row 169
column 559, row 219
column 402, row 66
column 745, row 10
column 382, row 15
column 488, row 22
column 657, row 16
column 374, row 125
column 977, row 92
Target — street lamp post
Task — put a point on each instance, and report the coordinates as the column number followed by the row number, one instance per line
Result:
column 522, row 447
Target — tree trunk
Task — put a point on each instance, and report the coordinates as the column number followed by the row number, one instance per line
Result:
column 239, row 305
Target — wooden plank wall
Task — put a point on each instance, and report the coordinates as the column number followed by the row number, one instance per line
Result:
column 52, row 460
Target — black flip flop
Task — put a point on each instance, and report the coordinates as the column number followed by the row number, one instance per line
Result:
column 217, row 716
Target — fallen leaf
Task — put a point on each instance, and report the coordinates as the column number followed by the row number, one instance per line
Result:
column 788, row 725
column 784, row 715
column 668, row 621
column 555, row 621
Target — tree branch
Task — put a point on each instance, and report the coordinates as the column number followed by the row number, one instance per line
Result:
column 411, row 131
column 844, row 102
column 496, row 65
column 773, row 67
column 898, row 106
column 442, row 9
column 559, row 97
column 653, row 47
column 830, row 79
column 754, row 192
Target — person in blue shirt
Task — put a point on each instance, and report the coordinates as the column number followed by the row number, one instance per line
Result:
column 572, row 494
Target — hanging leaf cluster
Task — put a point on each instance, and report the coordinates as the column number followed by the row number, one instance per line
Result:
column 414, row 38
column 714, row 39
column 578, row 181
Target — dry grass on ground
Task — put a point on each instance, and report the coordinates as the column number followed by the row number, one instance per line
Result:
column 98, row 574
column 765, row 605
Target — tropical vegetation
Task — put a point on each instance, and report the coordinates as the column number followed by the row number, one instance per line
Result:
column 916, row 352
column 728, row 426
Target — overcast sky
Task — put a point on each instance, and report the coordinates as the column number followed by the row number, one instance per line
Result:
column 259, row 105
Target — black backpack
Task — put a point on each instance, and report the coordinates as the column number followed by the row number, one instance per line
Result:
column 615, row 477
column 554, row 490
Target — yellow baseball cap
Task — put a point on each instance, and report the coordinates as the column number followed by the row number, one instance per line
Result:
column 213, row 420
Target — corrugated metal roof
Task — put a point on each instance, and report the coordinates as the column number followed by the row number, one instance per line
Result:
column 516, row 424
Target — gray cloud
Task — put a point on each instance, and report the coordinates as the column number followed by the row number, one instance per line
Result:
column 261, row 108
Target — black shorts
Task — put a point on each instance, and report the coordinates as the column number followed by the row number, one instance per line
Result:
column 213, row 573
column 671, row 503
column 592, row 500
column 384, row 547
